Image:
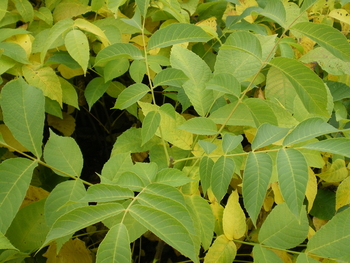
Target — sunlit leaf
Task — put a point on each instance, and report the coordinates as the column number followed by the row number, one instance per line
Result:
column 131, row 95
column 260, row 111
column 268, row 134
column 222, row 250
column 222, row 173
column 78, row 47
column 85, row 25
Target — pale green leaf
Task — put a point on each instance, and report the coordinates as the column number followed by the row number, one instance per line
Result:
column 225, row 82
column 14, row 51
column 105, row 193
column 145, row 171
column 5, row 243
column 9, row 32
column 260, row 111
column 307, row 4
column 264, row 255
column 117, row 50
column 69, row 94
column 309, row 87
column 163, row 211
column 199, row 125
column 77, row 46
column 29, row 229
column 16, row 174
column 115, row 68
column 80, row 218
column 131, row 95
column 95, row 90
column 177, row 33
column 3, row 8
column 85, row 25
column 115, row 246
column 172, row 177
column 256, row 179
column 222, row 173
column 333, row 239
column 275, row 10
column 142, row 6
column 221, row 251
column 25, row 9
column 137, row 70
column 115, row 166
column 337, row 145
column 23, row 109
column 292, row 177
column 282, row 229
column 150, row 126
column 308, row 129
column 131, row 180
column 63, row 199
column 230, row 142
column 205, row 172
column 327, row 37
column 268, row 134
column 170, row 77
column 208, row 147
column 44, row 14
column 198, row 73
column 63, row 155
column 303, row 258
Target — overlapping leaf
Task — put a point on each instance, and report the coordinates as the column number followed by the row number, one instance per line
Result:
column 78, row 47
column 264, row 255
column 199, row 125
column 131, row 95
column 222, row 173
column 268, row 134
column 336, row 145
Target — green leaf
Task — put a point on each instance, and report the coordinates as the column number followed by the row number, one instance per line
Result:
column 115, row 68
column 16, row 175
column 131, row 95
column 23, row 108
column 303, row 258
column 14, row 51
column 260, row 111
column 78, row 47
column 333, row 239
column 327, row 37
column 199, row 125
column 198, row 73
column 256, row 179
column 94, row 90
column 3, row 8
column 137, row 70
column 292, row 177
column 44, row 14
column 278, row 226
column 307, row 4
column 105, row 193
column 171, row 77
column 225, row 82
column 230, row 142
column 222, row 250
column 142, row 6
column 145, row 171
column 115, row 166
column 115, row 51
column 172, row 177
column 205, row 172
column 222, row 173
column 177, row 33
column 163, row 212
column 64, row 155
column 28, row 230
column 69, row 94
column 308, row 129
column 264, row 255
column 85, row 25
column 25, row 9
column 275, row 10
column 268, row 134
column 309, row 87
column 150, row 126
column 5, row 243
column 338, row 90
column 115, row 246
column 208, row 147
column 80, row 218
column 337, row 145
column 9, row 32
column 63, row 199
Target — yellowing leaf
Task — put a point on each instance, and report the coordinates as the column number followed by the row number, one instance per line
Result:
column 89, row 27
column 277, row 192
column 307, row 43
column 218, row 211
column 318, row 223
column 45, row 79
column 66, row 125
column 24, row 41
column 69, row 73
column 244, row 4
column 10, row 140
column 234, row 221
column 209, row 25
column 69, row 9
column 223, row 250
column 34, row 194
column 72, row 251
column 77, row 46
column 268, row 203
column 343, row 194
column 311, row 189
column 336, row 173
column 340, row 14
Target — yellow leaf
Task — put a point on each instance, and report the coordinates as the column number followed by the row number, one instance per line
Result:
column 340, row 14
column 311, row 232
column 222, row 250
column 72, row 251
column 244, row 4
column 286, row 258
column 234, row 221
column 69, row 9
column 10, row 140
column 336, row 173
column 209, row 25
column 218, row 211
column 318, row 223
column 85, row 25
column 45, row 79
column 311, row 189
column 268, row 203
column 139, row 41
column 66, row 125
column 250, row 134
column 34, row 194
column 69, row 73
column 343, row 194
column 277, row 192
column 24, row 41
column 307, row 43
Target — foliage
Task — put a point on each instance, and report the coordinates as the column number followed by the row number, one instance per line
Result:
column 228, row 130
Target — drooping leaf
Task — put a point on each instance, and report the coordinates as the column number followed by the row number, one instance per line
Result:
column 106, row 193
column 115, row 51
column 222, row 173
column 16, row 175
column 64, row 155
column 256, row 178
column 310, row 128
column 267, row 134
column 115, row 246
column 78, row 47
column 309, row 87
column 335, row 145
column 199, row 125
column 327, row 37
column 94, row 90
column 332, row 239
column 292, row 177
column 23, row 108
column 131, row 95
column 278, row 226
column 198, row 73
column 222, row 250
column 264, row 255
column 81, row 217
column 177, row 33
column 230, row 142
column 150, row 126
